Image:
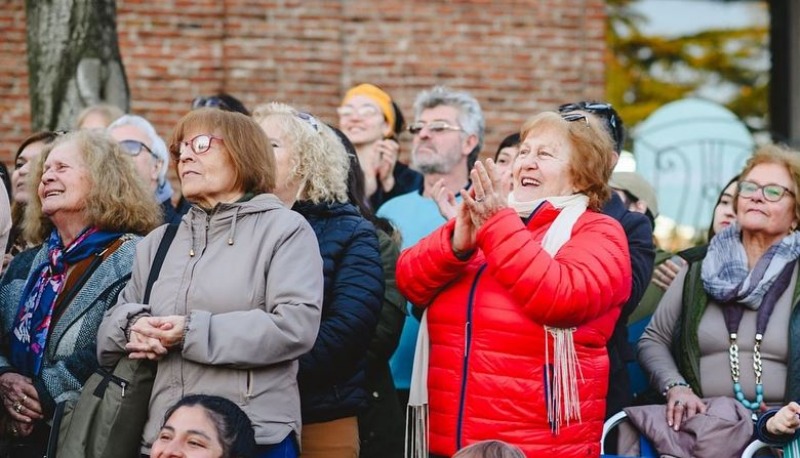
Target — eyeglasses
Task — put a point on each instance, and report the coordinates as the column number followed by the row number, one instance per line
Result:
column 199, row 145
column 572, row 117
column 364, row 111
column 771, row 192
column 210, row 102
column 134, row 147
column 433, row 126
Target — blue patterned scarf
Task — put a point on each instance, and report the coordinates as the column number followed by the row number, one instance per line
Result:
column 32, row 323
column 725, row 273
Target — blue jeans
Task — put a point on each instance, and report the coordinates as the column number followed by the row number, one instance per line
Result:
column 286, row 448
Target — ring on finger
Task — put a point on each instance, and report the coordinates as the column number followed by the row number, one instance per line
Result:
column 678, row 403
column 14, row 431
column 480, row 199
column 24, row 398
column 17, row 407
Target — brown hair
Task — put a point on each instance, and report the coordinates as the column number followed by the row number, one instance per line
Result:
column 123, row 203
column 593, row 152
column 18, row 209
column 774, row 154
column 490, row 449
column 245, row 143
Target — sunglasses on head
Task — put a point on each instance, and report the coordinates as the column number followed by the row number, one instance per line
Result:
column 209, row 102
column 602, row 109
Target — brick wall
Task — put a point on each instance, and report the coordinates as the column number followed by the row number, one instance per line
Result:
column 516, row 57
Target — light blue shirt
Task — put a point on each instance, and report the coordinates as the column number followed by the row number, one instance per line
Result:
column 416, row 217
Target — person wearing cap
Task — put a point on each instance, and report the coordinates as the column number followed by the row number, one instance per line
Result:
column 139, row 139
column 642, row 250
column 372, row 121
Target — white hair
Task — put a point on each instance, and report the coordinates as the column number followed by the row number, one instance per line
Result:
column 158, row 146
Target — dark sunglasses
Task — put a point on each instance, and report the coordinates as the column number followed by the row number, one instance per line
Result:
column 573, row 117
column 209, row 102
column 602, row 109
column 134, row 147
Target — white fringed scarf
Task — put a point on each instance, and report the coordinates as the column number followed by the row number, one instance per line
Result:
column 563, row 403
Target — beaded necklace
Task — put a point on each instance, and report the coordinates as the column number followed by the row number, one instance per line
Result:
column 733, row 316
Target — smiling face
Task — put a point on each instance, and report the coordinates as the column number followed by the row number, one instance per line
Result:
column 188, row 433
column 541, row 168
column 22, row 168
column 757, row 215
column 208, row 178
column 65, row 184
column 364, row 122
column 147, row 165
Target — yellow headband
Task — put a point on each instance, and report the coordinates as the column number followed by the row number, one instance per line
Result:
column 377, row 95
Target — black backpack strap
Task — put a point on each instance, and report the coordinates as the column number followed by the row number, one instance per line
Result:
column 158, row 261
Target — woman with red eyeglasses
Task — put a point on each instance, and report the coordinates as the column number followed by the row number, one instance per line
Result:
column 239, row 294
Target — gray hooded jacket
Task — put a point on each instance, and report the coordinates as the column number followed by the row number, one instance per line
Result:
column 249, row 277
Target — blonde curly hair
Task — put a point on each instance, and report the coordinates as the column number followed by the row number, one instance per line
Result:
column 319, row 159
column 119, row 200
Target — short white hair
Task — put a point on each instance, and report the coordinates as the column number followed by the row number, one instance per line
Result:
column 158, row 146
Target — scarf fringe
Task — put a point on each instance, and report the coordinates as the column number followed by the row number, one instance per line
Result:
column 563, row 398
column 416, row 445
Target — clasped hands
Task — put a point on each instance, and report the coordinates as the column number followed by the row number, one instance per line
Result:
column 479, row 203
column 21, row 401
column 152, row 337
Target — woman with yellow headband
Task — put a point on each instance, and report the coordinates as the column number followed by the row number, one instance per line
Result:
column 371, row 120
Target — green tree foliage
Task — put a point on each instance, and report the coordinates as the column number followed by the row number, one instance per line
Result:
column 645, row 72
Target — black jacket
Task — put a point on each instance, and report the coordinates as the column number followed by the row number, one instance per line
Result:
column 332, row 375
column 640, row 243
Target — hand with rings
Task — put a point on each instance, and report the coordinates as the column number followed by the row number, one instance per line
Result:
column 682, row 404
column 486, row 196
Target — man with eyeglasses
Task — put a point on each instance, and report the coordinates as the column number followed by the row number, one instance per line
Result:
column 639, row 232
column 138, row 138
column 448, row 131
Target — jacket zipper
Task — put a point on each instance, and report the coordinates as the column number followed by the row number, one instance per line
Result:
column 467, row 343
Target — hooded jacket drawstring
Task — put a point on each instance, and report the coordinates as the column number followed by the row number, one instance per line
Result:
column 233, row 226
column 191, row 233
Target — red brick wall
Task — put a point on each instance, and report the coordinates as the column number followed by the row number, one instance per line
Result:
column 516, row 57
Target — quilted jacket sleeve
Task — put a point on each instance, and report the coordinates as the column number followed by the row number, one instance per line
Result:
column 589, row 275
column 425, row 268
column 351, row 310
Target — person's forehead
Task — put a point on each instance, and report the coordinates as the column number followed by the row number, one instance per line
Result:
column 440, row 112
column 360, row 101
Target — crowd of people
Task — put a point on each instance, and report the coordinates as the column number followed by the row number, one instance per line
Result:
column 320, row 298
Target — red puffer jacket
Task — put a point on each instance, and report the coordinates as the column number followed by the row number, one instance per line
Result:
column 485, row 317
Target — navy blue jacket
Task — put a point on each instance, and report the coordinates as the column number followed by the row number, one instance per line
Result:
column 643, row 252
column 332, row 375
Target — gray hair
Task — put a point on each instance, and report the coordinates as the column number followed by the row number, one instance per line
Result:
column 470, row 116
column 158, row 146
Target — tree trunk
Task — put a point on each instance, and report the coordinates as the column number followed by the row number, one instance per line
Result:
column 73, row 60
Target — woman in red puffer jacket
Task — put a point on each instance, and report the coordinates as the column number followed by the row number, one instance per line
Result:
column 521, row 295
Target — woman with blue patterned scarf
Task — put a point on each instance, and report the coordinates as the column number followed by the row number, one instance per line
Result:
column 725, row 326
column 91, row 209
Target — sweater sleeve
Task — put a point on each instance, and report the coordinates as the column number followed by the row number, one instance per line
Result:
column 769, row 438
column 654, row 346
column 588, row 276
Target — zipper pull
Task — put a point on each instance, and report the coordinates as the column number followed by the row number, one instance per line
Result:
column 123, row 385
column 466, row 338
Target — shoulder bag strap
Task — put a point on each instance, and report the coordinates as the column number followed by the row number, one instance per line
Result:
column 158, row 261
